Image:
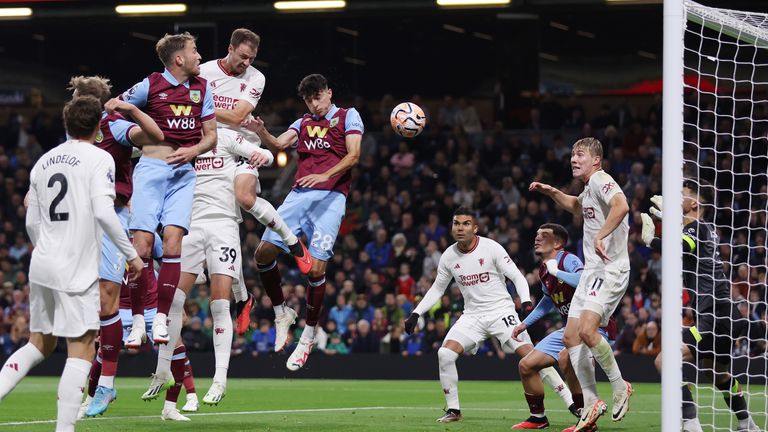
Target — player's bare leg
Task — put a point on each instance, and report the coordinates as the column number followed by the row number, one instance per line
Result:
column 266, row 256
column 537, row 368
column 579, row 355
column 80, row 352
column 110, row 342
column 246, row 187
column 167, row 282
column 221, row 288
column 143, row 241
column 449, row 380
column 19, row 364
column 601, row 350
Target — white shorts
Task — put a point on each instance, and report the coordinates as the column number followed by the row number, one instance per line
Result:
column 63, row 314
column 599, row 291
column 215, row 244
column 244, row 168
column 472, row 330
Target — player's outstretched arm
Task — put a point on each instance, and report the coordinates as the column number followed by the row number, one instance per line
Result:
column 148, row 131
column 285, row 140
column 432, row 296
column 236, row 116
column 568, row 202
column 619, row 209
column 542, row 308
column 345, row 164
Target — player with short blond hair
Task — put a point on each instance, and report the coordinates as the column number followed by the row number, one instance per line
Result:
column 603, row 281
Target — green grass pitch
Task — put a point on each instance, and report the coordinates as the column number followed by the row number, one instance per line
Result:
column 334, row 405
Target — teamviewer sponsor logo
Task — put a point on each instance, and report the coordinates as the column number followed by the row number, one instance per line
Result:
column 474, row 279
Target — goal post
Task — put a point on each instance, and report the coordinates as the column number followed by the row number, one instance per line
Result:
column 715, row 127
column 672, row 186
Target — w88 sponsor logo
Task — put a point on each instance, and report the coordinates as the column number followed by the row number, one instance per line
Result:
column 186, row 123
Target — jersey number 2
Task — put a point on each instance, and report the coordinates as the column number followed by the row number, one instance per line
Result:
column 58, row 217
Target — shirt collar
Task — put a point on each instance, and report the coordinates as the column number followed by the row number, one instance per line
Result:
column 171, row 79
column 331, row 113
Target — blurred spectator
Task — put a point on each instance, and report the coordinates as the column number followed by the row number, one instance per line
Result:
column 648, row 340
column 263, row 339
column 365, row 341
column 193, row 337
column 340, row 313
column 379, row 250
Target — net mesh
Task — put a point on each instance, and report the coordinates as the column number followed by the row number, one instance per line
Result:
column 726, row 155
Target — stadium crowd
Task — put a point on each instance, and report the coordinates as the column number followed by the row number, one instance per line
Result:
column 398, row 223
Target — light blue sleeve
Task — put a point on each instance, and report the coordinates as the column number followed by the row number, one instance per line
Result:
column 119, row 129
column 138, row 94
column 572, row 273
column 353, row 122
column 542, row 308
column 296, row 124
column 208, row 108
column 572, row 264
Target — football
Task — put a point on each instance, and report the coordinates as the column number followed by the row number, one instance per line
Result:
column 408, row 119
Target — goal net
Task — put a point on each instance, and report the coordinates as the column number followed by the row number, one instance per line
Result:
column 725, row 153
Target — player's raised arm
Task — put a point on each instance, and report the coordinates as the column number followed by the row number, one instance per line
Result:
column 148, row 131
column 257, row 156
column 285, row 140
column 432, row 296
column 568, row 202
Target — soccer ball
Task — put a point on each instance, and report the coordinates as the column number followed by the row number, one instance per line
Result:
column 408, row 119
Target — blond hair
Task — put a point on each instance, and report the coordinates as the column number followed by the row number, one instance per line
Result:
column 96, row 86
column 170, row 44
column 592, row 145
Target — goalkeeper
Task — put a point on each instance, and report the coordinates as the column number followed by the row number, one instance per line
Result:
column 717, row 322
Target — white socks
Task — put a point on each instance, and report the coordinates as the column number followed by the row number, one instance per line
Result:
column 165, row 353
column 265, row 213
column 603, row 354
column 585, row 372
column 449, row 377
column 239, row 290
column 308, row 333
column 70, row 393
column 18, row 366
column 551, row 378
column 222, row 338
column 138, row 321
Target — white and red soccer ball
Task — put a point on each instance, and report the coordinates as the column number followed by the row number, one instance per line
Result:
column 408, row 119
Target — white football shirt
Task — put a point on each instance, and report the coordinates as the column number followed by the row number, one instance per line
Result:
column 595, row 203
column 215, row 188
column 62, row 184
column 229, row 89
column 481, row 275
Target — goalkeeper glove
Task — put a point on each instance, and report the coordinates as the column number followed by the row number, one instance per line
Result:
column 410, row 323
column 657, row 201
column 649, row 229
column 525, row 309
column 552, row 267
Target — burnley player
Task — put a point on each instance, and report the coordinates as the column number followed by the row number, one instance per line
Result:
column 480, row 267
column 181, row 103
column 328, row 143
column 117, row 137
column 237, row 87
column 559, row 273
column 708, row 343
column 71, row 202
column 603, row 281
